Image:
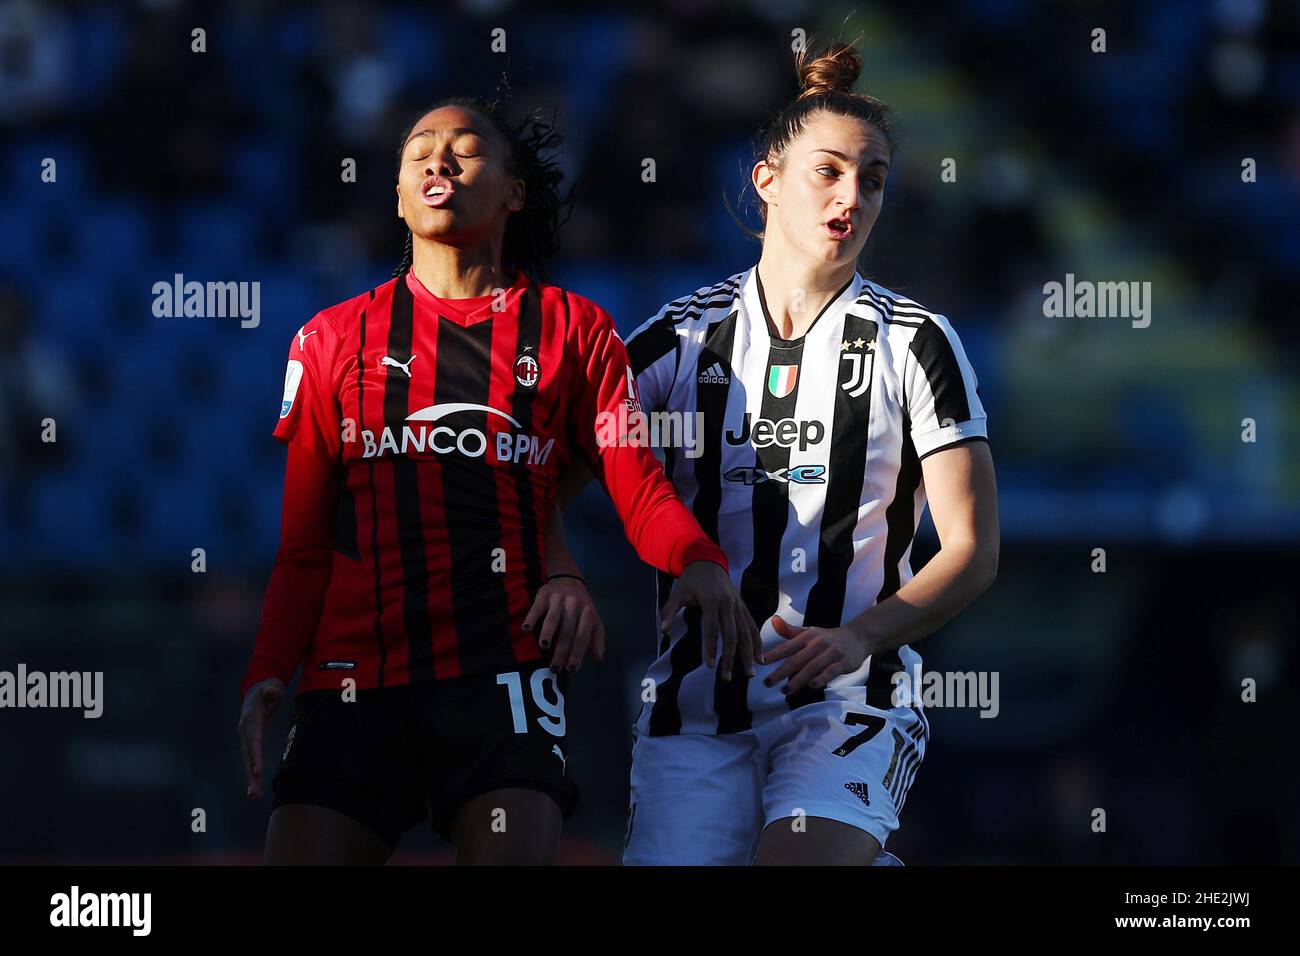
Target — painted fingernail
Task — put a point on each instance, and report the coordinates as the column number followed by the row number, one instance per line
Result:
column 767, row 682
column 786, row 690
column 528, row 627
column 545, row 644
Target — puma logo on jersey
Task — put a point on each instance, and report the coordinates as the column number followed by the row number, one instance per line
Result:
column 404, row 366
column 715, row 374
column 859, row 790
column 555, row 749
column 302, row 339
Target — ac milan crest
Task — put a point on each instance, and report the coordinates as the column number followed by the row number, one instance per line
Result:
column 527, row 371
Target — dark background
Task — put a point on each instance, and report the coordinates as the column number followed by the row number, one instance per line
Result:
column 1118, row 690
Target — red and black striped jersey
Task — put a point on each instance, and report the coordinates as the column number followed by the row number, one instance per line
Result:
column 447, row 425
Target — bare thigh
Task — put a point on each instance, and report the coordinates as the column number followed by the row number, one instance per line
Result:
column 820, row 842
column 514, row 826
column 305, row 834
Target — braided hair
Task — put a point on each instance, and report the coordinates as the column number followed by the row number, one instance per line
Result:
column 532, row 234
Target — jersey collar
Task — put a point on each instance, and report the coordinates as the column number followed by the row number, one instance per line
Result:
column 755, row 305
column 450, row 309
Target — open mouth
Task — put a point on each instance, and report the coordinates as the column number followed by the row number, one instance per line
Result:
column 840, row 228
column 436, row 191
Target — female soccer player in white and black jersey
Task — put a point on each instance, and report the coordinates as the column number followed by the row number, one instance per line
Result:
column 832, row 408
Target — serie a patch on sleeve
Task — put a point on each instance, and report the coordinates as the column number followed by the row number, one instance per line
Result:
column 292, row 378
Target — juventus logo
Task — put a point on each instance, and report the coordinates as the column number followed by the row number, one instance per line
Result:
column 860, row 363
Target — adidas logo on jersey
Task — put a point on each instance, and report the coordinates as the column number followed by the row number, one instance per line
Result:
column 715, row 374
column 859, row 790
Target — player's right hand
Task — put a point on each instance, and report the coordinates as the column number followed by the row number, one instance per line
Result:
column 259, row 704
column 706, row 585
column 569, row 620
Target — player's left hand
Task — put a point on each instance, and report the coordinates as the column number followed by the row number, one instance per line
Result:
column 705, row 585
column 569, row 620
column 814, row 655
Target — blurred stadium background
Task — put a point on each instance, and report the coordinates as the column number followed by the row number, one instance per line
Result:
column 1118, row 690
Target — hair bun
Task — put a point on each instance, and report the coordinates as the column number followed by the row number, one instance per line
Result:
column 835, row 70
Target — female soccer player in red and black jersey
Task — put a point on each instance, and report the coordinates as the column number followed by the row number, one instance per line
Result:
column 426, row 422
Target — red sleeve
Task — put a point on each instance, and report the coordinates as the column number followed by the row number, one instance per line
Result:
column 309, row 409
column 296, row 592
column 658, row 525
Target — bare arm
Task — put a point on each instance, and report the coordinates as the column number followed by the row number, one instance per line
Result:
column 559, row 560
column 563, row 607
column 962, row 491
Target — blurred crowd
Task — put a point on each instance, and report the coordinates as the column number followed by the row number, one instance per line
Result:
column 209, row 140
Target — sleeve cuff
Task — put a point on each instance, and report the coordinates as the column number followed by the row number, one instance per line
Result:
column 703, row 550
column 953, row 444
column 256, row 677
column 937, row 438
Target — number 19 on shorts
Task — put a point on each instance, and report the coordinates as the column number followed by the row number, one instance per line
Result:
column 552, row 719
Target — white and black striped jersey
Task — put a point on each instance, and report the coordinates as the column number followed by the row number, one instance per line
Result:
column 808, row 472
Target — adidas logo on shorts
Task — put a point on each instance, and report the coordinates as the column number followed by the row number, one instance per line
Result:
column 859, row 790
column 715, row 374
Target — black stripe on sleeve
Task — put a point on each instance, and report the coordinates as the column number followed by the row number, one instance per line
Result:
column 651, row 344
column 934, row 353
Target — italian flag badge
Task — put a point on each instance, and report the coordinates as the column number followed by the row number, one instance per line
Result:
column 780, row 379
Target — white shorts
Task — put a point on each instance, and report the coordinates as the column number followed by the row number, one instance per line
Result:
column 704, row 799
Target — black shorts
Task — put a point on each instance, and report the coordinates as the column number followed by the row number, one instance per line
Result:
column 396, row 752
